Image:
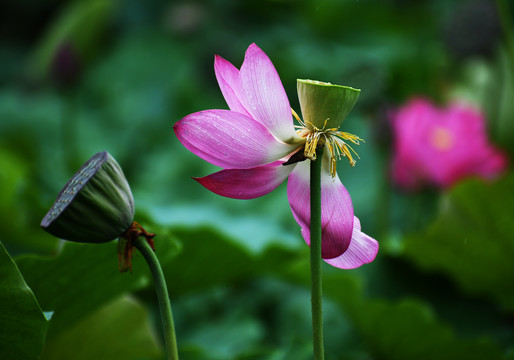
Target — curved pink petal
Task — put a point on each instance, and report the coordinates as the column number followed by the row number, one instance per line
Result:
column 362, row 250
column 495, row 162
column 228, row 80
column 229, row 139
column 247, row 183
column 336, row 209
column 264, row 96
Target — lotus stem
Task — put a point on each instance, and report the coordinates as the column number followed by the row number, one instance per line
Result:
column 315, row 256
column 162, row 297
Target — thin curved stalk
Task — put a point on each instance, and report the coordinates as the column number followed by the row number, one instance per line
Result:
column 162, row 297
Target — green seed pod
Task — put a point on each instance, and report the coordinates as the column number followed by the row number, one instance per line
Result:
column 95, row 206
column 325, row 105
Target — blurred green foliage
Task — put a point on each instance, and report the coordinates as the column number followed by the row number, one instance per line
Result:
column 78, row 77
column 22, row 334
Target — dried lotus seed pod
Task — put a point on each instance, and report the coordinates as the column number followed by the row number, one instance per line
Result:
column 95, row 206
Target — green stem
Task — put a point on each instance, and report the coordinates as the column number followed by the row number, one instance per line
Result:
column 506, row 23
column 315, row 249
column 69, row 129
column 162, row 297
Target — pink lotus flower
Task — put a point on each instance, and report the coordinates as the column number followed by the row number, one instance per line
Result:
column 441, row 146
column 252, row 143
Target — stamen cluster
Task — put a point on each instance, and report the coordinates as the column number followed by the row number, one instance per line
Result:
column 332, row 138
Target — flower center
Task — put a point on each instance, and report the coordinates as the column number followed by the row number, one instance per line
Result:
column 441, row 138
column 333, row 139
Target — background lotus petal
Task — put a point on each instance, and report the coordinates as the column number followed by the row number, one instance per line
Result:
column 441, row 146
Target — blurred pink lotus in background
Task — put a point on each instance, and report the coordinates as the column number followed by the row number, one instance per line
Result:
column 441, row 146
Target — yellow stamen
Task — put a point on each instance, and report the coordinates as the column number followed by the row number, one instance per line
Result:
column 441, row 138
column 296, row 116
column 332, row 138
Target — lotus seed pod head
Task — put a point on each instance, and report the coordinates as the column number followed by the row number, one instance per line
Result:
column 325, row 105
column 95, row 206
